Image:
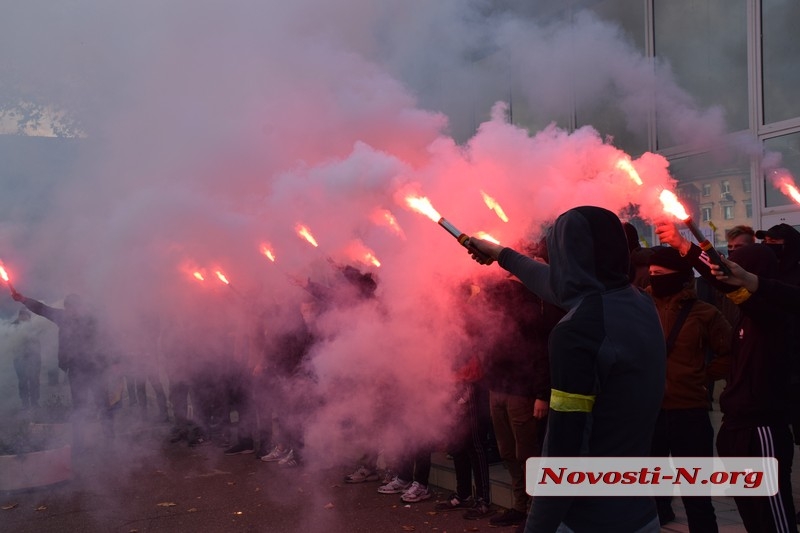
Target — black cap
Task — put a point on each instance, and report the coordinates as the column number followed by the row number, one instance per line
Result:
column 668, row 257
column 781, row 231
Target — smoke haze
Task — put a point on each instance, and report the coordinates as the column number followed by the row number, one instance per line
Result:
column 209, row 130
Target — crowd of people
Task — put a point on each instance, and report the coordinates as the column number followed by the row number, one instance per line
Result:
column 604, row 348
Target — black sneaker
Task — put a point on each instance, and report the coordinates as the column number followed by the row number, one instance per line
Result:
column 455, row 502
column 481, row 510
column 509, row 517
column 241, row 447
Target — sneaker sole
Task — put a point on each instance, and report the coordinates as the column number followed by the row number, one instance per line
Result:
column 243, row 452
column 416, row 500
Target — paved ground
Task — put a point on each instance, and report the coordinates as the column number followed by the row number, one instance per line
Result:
column 145, row 484
column 163, row 487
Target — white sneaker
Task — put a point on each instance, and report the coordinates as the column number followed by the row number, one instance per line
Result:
column 288, row 459
column 416, row 493
column 395, row 486
column 276, row 454
column 361, row 475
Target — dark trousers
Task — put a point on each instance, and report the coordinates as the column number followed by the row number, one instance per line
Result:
column 416, row 468
column 519, row 436
column 686, row 433
column 763, row 514
column 28, row 368
column 469, row 453
column 84, row 383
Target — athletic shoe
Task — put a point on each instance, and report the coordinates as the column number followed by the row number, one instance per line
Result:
column 395, row 486
column 509, row 517
column 241, row 447
column 454, row 502
column 361, row 475
column 481, row 510
column 276, row 454
column 416, row 493
column 288, row 460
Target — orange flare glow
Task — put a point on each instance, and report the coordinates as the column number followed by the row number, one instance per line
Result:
column 672, row 205
column 357, row 251
column 304, row 232
column 422, row 205
column 492, row 204
column 267, row 251
column 384, row 217
column 4, row 274
column 486, row 237
column 783, row 181
column 222, row 277
column 626, row 166
column 198, row 276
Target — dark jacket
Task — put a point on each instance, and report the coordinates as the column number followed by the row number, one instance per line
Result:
column 518, row 360
column 757, row 392
column 77, row 337
column 607, row 362
column 703, row 329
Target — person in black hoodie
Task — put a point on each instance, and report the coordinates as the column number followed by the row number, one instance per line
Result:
column 607, row 363
column 756, row 400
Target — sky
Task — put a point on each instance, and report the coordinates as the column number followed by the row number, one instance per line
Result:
column 210, row 130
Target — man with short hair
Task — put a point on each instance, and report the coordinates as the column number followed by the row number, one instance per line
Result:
column 739, row 236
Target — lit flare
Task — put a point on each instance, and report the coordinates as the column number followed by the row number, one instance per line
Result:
column 492, row 204
column 305, row 233
column 222, row 277
column 672, row 205
column 486, row 237
column 625, row 165
column 783, row 181
column 266, row 250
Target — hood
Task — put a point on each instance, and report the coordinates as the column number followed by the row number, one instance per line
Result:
column 588, row 254
column 756, row 258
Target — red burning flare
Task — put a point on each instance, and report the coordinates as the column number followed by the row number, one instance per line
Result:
column 672, row 206
column 422, row 205
column 4, row 274
column 357, row 251
column 384, row 217
column 492, row 204
column 266, row 250
column 486, row 237
column 625, row 165
column 198, row 276
column 305, row 233
column 222, row 277
column 782, row 180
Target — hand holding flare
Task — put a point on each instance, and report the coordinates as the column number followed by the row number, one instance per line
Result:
column 14, row 294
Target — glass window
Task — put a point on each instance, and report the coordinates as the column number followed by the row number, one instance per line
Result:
column 789, row 147
column 603, row 110
column 705, row 43
column 727, row 212
column 695, row 171
column 746, row 184
column 706, row 189
column 780, row 40
column 748, row 209
column 725, row 186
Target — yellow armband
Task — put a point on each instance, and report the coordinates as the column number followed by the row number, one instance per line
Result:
column 739, row 295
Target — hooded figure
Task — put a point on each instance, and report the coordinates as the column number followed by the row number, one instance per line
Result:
column 607, row 361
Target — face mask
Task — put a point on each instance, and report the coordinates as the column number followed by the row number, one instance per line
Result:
column 777, row 248
column 667, row 284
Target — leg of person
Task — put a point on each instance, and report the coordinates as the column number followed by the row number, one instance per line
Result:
column 691, row 435
column 771, row 513
column 22, row 381
column 660, row 447
column 506, row 420
column 34, row 375
column 419, row 491
column 479, row 463
column 79, row 393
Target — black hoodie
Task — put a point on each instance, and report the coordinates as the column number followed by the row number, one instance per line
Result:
column 608, row 352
